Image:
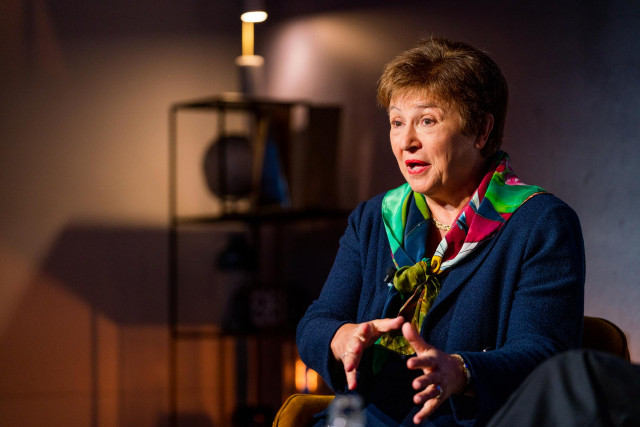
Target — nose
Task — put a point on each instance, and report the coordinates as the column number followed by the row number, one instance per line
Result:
column 410, row 141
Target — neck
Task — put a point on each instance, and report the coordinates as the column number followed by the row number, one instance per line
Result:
column 446, row 208
column 446, row 213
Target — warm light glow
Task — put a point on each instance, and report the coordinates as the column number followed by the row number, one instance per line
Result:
column 301, row 376
column 250, row 61
column 254, row 13
column 312, row 380
column 306, row 379
column 254, row 16
column 247, row 38
column 295, row 65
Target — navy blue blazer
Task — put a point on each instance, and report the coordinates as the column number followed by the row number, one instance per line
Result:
column 513, row 303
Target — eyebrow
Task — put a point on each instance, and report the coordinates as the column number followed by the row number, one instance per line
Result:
column 419, row 106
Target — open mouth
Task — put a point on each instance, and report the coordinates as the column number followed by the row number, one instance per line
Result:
column 416, row 166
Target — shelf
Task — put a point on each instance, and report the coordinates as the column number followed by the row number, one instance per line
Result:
column 265, row 216
column 303, row 137
column 235, row 101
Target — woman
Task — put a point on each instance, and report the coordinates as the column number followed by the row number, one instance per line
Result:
column 447, row 291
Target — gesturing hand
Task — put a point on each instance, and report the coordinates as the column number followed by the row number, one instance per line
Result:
column 442, row 374
column 351, row 339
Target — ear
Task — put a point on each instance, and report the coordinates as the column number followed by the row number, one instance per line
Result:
column 485, row 131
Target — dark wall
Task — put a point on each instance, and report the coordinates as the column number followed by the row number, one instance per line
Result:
column 573, row 124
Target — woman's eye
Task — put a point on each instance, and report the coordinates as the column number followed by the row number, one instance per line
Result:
column 396, row 123
column 427, row 121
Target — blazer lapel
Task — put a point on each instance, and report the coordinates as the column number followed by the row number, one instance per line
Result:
column 458, row 277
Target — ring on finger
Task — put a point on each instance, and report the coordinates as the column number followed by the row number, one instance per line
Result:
column 345, row 353
column 439, row 388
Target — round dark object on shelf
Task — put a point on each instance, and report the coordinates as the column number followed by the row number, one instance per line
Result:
column 228, row 166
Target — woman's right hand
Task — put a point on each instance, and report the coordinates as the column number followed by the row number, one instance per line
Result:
column 351, row 339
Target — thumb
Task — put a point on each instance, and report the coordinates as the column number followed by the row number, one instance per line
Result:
column 387, row 325
column 414, row 338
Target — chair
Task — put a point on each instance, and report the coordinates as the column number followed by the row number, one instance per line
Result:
column 298, row 410
column 597, row 334
column 604, row 335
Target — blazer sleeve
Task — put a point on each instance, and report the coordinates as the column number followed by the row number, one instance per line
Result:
column 546, row 306
column 336, row 305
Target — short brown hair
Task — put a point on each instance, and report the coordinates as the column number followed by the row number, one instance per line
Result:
column 456, row 73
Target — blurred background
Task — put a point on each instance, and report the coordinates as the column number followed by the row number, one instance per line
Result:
column 86, row 91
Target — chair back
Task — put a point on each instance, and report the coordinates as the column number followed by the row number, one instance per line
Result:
column 604, row 335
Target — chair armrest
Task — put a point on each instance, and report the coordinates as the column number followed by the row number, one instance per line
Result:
column 298, row 410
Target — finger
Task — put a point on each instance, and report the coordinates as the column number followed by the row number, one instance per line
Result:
column 352, row 381
column 424, row 361
column 386, row 325
column 350, row 362
column 428, row 408
column 362, row 338
column 432, row 397
column 365, row 335
column 350, row 358
column 432, row 391
column 423, row 381
column 414, row 338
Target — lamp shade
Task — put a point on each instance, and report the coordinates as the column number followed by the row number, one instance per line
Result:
column 253, row 11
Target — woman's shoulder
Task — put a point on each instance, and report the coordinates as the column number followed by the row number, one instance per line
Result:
column 369, row 209
column 366, row 219
column 547, row 213
column 373, row 206
column 544, row 203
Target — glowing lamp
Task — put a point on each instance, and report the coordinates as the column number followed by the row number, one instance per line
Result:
column 253, row 11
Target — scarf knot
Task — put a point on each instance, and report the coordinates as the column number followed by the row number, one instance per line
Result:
column 408, row 278
column 418, row 287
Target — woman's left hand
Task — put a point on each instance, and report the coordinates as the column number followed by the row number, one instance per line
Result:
column 442, row 374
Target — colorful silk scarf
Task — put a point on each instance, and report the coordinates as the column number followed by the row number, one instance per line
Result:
column 406, row 217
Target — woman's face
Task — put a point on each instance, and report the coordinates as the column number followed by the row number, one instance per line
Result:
column 433, row 154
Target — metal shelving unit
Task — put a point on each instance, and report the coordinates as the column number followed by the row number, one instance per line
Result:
column 259, row 113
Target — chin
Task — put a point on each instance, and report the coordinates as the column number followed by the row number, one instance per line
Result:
column 422, row 189
column 418, row 185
